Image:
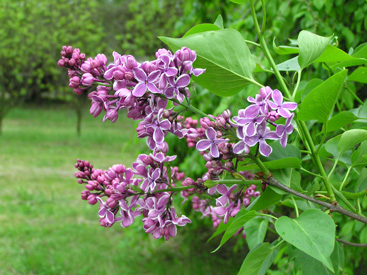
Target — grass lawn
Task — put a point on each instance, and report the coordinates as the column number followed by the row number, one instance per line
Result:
column 47, row 229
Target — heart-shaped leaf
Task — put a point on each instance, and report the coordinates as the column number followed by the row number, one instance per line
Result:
column 311, row 46
column 359, row 75
column 313, row 232
column 255, row 231
column 340, row 120
column 225, row 56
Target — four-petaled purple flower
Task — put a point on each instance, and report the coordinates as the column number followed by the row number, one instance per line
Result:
column 146, row 82
column 211, row 142
column 105, row 211
column 263, row 133
column 282, row 108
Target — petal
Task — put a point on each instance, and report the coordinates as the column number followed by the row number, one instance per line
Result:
column 210, row 133
column 222, row 200
column 214, row 151
column 283, row 140
column 271, row 135
column 110, row 217
column 139, row 90
column 170, row 92
column 251, row 141
column 284, row 112
column 250, row 129
column 171, row 71
column 154, row 76
column 158, row 135
column 239, row 147
column 265, row 149
column 183, row 81
column 151, row 87
column 139, row 74
column 280, row 130
column 277, row 97
column 203, row 144
column 165, row 124
column 156, row 174
column 197, row 72
column 222, row 189
column 290, row 105
column 289, row 129
column 172, row 230
column 102, row 212
column 252, row 111
column 220, row 211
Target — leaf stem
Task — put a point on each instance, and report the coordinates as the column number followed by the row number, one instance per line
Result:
column 252, row 43
column 345, row 178
column 299, row 73
column 309, row 172
column 295, row 206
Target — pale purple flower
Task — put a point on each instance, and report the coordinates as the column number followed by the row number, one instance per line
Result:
column 284, row 130
column 211, row 142
column 105, row 211
column 173, row 89
column 150, row 182
column 127, row 214
column 226, row 193
column 241, row 146
column 282, row 108
column 259, row 105
column 263, row 133
column 146, row 82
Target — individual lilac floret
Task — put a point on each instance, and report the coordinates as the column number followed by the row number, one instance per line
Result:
column 146, row 82
column 241, row 146
column 226, row 193
column 105, row 212
column 284, row 130
column 211, row 142
column 263, row 133
column 282, row 108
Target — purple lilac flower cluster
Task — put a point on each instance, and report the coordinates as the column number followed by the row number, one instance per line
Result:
column 147, row 189
column 125, row 193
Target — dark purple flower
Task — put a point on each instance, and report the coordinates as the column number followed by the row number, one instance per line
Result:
column 284, row 130
column 150, row 182
column 282, row 108
column 211, row 142
column 173, row 89
column 127, row 214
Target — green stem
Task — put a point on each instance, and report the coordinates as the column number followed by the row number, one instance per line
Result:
column 103, row 84
column 253, row 43
column 309, row 172
column 231, row 182
column 345, row 200
column 299, row 73
column 260, row 164
column 332, row 169
column 345, row 179
column 301, row 124
column 295, row 206
column 174, row 189
column 354, row 95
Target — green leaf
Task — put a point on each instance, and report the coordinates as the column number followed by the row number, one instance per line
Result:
column 219, row 21
column 224, row 55
column 311, row 46
column 266, row 199
column 319, row 103
column 340, row 120
column 331, row 146
column 319, row 3
column 359, row 157
column 290, row 151
column 254, row 260
column 255, row 231
column 283, row 50
column 359, row 75
column 361, row 184
column 221, row 228
column 309, row 265
column 276, row 164
column 287, row 177
column 339, row 58
column 312, row 84
column 201, row 28
column 241, row 218
column 351, row 138
column 289, row 65
column 313, row 232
